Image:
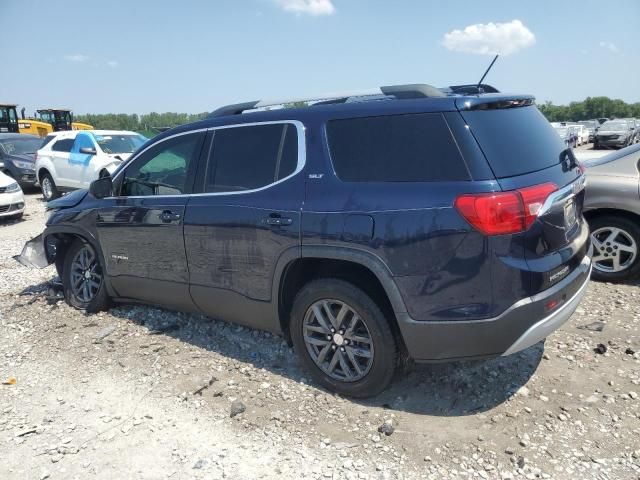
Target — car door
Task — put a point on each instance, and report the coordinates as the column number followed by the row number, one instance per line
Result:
column 60, row 152
column 81, row 165
column 245, row 219
column 141, row 228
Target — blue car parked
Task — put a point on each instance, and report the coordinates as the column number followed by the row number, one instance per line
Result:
column 407, row 221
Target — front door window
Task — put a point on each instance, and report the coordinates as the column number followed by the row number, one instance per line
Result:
column 165, row 169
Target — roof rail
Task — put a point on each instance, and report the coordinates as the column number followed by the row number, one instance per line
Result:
column 399, row 92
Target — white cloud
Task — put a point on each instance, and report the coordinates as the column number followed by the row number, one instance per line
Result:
column 310, row 7
column 77, row 57
column 112, row 63
column 490, row 38
column 610, row 46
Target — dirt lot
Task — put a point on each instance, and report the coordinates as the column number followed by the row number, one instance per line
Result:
column 139, row 392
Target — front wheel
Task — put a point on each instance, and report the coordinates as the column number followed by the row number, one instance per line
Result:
column 83, row 278
column 343, row 338
column 49, row 189
column 615, row 241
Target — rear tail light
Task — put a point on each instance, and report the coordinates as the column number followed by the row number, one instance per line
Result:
column 504, row 213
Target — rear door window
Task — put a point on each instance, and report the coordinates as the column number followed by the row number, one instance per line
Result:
column 517, row 140
column 395, row 148
column 63, row 145
column 247, row 158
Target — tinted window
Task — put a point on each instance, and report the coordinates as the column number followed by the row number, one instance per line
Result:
column 163, row 169
column 246, row 158
column 395, row 148
column 46, row 140
column 516, row 140
column 63, row 145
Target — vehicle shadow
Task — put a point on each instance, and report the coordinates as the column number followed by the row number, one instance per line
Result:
column 443, row 389
column 8, row 221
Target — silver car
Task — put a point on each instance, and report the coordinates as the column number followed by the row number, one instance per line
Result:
column 612, row 208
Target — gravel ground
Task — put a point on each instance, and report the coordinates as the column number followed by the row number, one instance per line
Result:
column 139, row 392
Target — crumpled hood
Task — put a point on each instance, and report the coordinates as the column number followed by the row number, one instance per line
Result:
column 69, row 200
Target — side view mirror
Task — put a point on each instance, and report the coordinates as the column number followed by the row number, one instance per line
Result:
column 101, row 188
column 88, row 150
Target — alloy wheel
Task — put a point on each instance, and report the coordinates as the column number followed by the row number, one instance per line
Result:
column 47, row 188
column 85, row 275
column 615, row 249
column 338, row 340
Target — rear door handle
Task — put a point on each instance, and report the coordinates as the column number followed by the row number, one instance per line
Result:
column 278, row 221
column 168, row 216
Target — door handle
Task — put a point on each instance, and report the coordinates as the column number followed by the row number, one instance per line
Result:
column 168, row 216
column 278, row 221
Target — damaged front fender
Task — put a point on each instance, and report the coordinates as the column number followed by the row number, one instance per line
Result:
column 34, row 253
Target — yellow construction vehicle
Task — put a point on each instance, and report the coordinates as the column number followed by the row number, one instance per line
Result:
column 8, row 118
column 51, row 120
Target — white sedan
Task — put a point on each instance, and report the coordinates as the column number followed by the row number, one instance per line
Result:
column 11, row 198
column 73, row 159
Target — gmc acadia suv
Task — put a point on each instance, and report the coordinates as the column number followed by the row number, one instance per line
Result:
column 366, row 228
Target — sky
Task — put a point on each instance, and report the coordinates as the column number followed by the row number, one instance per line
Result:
column 139, row 56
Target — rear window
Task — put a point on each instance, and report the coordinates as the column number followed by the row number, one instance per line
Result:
column 395, row 148
column 516, row 141
column 46, row 140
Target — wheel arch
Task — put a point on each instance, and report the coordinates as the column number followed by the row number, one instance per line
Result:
column 63, row 236
column 363, row 269
column 613, row 212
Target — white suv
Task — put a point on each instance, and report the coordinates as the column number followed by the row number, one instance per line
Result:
column 72, row 160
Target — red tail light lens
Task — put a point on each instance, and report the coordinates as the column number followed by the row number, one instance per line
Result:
column 504, row 213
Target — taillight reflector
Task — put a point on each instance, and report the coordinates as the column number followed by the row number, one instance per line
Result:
column 502, row 213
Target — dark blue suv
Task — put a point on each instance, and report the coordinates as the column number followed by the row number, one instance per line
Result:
column 404, row 222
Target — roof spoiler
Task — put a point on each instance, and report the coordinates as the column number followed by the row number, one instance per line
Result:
column 399, row 92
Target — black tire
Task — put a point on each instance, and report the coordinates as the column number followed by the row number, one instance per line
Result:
column 385, row 353
column 53, row 192
column 630, row 230
column 94, row 302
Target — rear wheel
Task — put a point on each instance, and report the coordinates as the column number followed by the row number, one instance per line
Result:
column 49, row 189
column 616, row 242
column 83, row 278
column 343, row 338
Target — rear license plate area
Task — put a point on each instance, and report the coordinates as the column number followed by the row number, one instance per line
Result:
column 570, row 215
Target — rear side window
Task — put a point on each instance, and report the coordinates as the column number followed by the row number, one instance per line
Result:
column 63, row 145
column 516, row 140
column 395, row 148
column 246, row 158
column 46, row 140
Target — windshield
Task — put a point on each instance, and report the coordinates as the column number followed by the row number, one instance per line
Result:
column 588, row 124
column 613, row 126
column 120, row 143
column 562, row 131
column 20, row 146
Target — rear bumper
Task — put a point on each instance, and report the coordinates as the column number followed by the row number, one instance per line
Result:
column 522, row 325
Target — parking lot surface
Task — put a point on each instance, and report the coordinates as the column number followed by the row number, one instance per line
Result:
column 139, row 392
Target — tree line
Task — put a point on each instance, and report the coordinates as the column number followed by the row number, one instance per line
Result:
column 151, row 123
column 591, row 107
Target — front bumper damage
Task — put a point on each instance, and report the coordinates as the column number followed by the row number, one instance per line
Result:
column 36, row 254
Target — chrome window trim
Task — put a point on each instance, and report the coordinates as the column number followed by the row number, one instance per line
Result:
column 563, row 195
column 302, row 158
